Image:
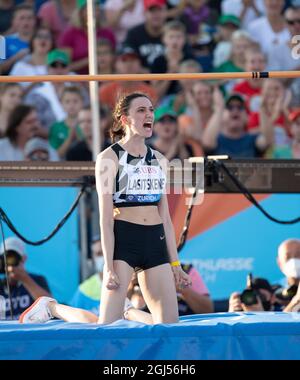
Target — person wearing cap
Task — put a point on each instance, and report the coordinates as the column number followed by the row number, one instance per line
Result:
column 74, row 39
column 265, row 297
column 25, row 287
column 226, row 131
column 145, row 38
column 245, row 10
column 38, row 149
column 167, row 138
column 227, row 25
column 128, row 61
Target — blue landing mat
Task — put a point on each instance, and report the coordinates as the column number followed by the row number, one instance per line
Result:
column 223, row 336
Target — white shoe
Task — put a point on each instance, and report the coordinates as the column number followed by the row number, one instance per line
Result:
column 38, row 312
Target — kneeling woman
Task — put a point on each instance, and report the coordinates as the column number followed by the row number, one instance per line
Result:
column 136, row 229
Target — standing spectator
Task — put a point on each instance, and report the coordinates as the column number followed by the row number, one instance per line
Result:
column 67, row 132
column 25, row 287
column 127, row 62
column 35, row 62
column 174, row 40
column 10, row 97
column 56, row 15
column 270, row 31
column 105, row 57
column 226, row 130
column 122, row 15
column 17, row 44
column 251, row 88
column 246, row 10
column 145, row 38
column 74, row 39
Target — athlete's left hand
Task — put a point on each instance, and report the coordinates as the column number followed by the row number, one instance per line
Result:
column 182, row 280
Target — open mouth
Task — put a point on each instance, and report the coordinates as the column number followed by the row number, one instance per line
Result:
column 148, row 126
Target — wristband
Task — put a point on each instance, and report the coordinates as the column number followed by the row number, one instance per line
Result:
column 175, row 263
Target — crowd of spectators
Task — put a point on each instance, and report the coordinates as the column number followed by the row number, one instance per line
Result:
column 252, row 118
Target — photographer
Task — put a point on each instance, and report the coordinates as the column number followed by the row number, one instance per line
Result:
column 258, row 296
column 25, row 288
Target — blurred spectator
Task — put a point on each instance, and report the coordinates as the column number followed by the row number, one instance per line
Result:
column 282, row 58
column 273, row 113
column 145, row 38
column 174, row 40
column 227, row 25
column 83, row 150
column 270, row 31
column 264, row 292
column 88, row 294
column 35, row 62
column 168, row 139
column 226, row 130
column 122, row 15
column 17, row 44
column 6, row 14
column 37, row 149
column 105, row 57
column 199, row 110
column 246, row 10
column 251, row 88
column 46, row 96
column 294, row 149
column 194, row 14
column 10, row 97
column 56, row 15
column 25, row 287
column 23, row 124
column 240, row 42
column 65, row 133
column 74, row 39
column 127, row 62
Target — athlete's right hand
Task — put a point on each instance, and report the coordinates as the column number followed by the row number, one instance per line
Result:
column 111, row 280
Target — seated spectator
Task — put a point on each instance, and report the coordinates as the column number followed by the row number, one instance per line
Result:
column 10, row 97
column 226, row 130
column 56, row 15
column 174, row 40
column 127, row 62
column 105, row 57
column 122, row 15
column 251, row 88
column 246, row 10
column 227, row 25
column 23, row 124
column 35, row 62
column 270, row 30
column 273, row 112
column 262, row 292
column 37, row 149
column 145, row 38
column 17, row 44
column 168, row 139
column 6, row 14
column 74, row 39
column 83, row 150
column 25, row 287
column 87, row 296
column 67, row 132
column 294, row 149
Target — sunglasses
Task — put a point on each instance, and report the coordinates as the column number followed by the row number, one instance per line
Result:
column 292, row 22
column 58, row 65
column 232, row 107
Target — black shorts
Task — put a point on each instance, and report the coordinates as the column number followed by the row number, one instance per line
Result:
column 140, row 246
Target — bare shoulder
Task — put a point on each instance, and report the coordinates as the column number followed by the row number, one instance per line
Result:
column 106, row 161
column 106, row 153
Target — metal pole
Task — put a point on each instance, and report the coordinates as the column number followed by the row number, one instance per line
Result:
column 94, row 90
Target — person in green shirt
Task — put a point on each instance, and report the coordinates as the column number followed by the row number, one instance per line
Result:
column 66, row 132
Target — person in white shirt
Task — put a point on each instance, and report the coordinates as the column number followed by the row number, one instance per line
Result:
column 246, row 10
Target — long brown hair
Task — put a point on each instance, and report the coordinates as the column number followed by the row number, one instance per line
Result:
column 122, row 108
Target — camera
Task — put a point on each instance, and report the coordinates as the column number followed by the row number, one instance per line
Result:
column 13, row 259
column 249, row 295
